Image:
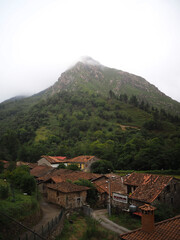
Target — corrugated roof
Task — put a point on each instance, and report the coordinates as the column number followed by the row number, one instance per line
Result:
column 165, row 230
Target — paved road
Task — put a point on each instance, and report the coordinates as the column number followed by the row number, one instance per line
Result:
column 100, row 215
column 49, row 211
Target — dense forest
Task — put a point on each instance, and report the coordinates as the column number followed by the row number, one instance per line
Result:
column 121, row 129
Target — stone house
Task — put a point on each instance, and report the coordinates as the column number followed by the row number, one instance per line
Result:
column 166, row 230
column 150, row 188
column 62, row 175
column 40, row 171
column 110, row 185
column 67, row 195
column 51, row 161
column 83, row 162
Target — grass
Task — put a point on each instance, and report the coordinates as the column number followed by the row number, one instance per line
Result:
column 42, row 134
column 84, row 228
column 173, row 173
column 21, row 207
column 25, row 209
column 126, row 220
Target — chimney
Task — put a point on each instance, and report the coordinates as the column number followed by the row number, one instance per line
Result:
column 147, row 218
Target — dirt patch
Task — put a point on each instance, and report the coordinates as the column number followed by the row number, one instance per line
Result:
column 124, row 127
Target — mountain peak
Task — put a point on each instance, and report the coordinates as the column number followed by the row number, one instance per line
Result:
column 89, row 61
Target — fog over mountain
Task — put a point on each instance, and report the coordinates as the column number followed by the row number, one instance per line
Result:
column 41, row 39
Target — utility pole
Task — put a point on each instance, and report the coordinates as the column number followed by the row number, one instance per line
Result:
column 109, row 202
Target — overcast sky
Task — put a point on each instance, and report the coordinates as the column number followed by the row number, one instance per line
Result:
column 39, row 39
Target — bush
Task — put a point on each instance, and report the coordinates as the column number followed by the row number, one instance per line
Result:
column 92, row 194
column 102, row 166
column 20, row 178
column 73, row 167
column 163, row 212
column 4, row 189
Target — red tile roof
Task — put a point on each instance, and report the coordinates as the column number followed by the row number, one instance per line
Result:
column 30, row 165
column 136, row 179
column 81, row 159
column 6, row 163
column 67, row 187
column 165, row 230
column 150, row 188
column 74, row 176
column 147, row 207
column 55, row 172
column 116, row 185
column 54, row 159
column 64, row 174
column 40, row 171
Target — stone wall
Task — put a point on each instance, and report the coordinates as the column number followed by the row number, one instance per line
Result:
column 67, row 200
column 43, row 161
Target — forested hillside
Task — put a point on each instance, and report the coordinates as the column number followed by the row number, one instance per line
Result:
column 121, row 129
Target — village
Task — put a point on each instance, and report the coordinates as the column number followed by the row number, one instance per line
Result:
column 135, row 193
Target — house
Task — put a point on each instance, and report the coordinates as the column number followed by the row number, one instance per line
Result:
column 30, row 165
column 83, row 162
column 110, row 185
column 61, row 175
column 5, row 163
column 165, row 230
column 51, row 161
column 150, row 188
column 67, row 195
column 40, row 171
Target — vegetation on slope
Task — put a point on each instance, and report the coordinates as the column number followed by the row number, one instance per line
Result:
column 18, row 200
column 77, row 123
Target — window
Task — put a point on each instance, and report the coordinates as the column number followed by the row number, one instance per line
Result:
column 78, row 202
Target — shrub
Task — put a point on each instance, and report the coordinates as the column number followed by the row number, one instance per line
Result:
column 4, row 189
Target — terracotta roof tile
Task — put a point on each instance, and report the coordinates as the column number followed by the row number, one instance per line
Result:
column 40, row 171
column 81, row 159
column 152, row 186
column 116, row 185
column 147, row 207
column 55, row 159
column 55, row 172
column 30, row 165
column 64, row 174
column 165, row 230
column 136, row 179
column 6, row 163
column 67, row 187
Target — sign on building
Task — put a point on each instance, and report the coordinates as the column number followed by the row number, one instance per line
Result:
column 120, row 198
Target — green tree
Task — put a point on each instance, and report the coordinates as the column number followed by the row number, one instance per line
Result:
column 102, row 166
column 61, row 165
column 163, row 212
column 92, row 194
column 73, row 167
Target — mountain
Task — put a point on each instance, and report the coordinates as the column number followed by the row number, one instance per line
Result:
column 94, row 110
column 14, row 99
column 89, row 75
